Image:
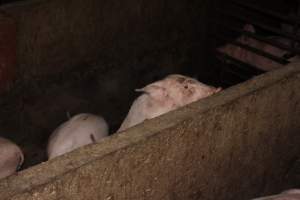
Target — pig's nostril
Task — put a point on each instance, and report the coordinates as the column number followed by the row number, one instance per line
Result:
column 186, row 87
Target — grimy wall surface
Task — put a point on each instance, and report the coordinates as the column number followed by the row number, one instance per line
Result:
column 234, row 145
column 54, row 35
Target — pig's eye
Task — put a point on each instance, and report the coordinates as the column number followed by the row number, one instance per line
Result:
column 186, row 87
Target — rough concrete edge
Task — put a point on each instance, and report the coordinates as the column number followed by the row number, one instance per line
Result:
column 36, row 176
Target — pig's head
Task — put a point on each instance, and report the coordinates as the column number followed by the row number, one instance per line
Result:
column 179, row 89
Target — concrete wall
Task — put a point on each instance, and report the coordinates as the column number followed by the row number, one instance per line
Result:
column 7, row 52
column 237, row 144
column 55, row 35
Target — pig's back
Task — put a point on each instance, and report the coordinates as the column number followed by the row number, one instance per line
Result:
column 136, row 113
column 80, row 130
column 145, row 107
column 11, row 157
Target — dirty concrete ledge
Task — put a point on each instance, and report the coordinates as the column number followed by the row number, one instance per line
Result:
column 234, row 145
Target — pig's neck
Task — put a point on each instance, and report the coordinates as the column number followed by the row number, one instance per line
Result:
column 156, row 107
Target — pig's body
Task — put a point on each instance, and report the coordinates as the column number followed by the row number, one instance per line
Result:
column 145, row 107
column 293, row 194
column 165, row 95
column 251, row 58
column 11, row 157
column 80, row 130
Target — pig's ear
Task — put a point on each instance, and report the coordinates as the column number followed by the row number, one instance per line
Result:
column 148, row 89
column 244, row 38
column 250, row 28
column 155, row 91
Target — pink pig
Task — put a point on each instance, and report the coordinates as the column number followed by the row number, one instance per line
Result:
column 165, row 95
column 251, row 58
column 80, row 130
column 292, row 194
column 11, row 157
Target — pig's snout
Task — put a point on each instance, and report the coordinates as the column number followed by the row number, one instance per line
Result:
column 219, row 89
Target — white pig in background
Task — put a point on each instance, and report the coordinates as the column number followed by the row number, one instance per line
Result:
column 11, row 157
column 80, row 130
column 255, row 59
column 165, row 95
column 292, row 194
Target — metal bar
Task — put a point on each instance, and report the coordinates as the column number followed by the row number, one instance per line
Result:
column 261, row 38
column 240, row 64
column 247, row 5
column 254, row 50
column 259, row 24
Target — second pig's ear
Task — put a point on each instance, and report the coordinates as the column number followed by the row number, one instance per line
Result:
column 244, row 38
column 249, row 28
column 154, row 91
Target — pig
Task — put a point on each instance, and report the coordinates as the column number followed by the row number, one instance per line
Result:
column 162, row 96
column 79, row 130
column 11, row 157
column 256, row 60
column 292, row 194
